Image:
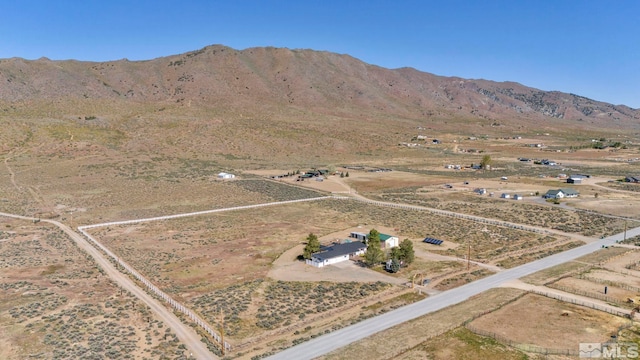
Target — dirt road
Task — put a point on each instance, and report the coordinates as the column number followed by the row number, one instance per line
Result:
column 185, row 333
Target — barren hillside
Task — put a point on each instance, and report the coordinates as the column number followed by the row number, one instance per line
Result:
column 323, row 82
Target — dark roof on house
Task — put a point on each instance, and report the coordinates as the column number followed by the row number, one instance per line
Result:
column 569, row 191
column 336, row 250
column 552, row 192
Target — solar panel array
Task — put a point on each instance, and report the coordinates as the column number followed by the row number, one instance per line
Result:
column 433, row 241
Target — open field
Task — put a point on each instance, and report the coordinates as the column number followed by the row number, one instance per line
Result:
column 222, row 260
column 578, row 266
column 243, row 263
column 461, row 343
column 547, row 216
column 55, row 303
column 549, row 323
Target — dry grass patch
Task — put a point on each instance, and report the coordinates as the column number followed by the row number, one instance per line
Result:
column 539, row 321
column 586, row 287
column 462, row 344
column 526, row 257
column 460, row 279
column 547, row 216
column 55, row 303
column 577, row 266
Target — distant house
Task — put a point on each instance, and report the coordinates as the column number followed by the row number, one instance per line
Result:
column 570, row 193
column 505, row 196
column 517, row 197
column 632, row 179
column 337, row 253
column 561, row 193
column 435, row 141
column 224, row 175
column 480, row 191
column 575, row 179
column 554, row 194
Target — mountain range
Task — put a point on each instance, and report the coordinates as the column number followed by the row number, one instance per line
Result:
column 301, row 86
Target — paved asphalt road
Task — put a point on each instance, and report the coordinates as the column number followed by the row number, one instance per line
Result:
column 345, row 336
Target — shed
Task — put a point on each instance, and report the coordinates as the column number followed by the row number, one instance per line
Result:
column 388, row 241
column 224, row 175
column 359, row 236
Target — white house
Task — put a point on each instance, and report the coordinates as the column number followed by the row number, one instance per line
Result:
column 561, row 193
column 505, row 196
column 337, row 253
column 224, row 175
column 517, row 197
column 388, row 241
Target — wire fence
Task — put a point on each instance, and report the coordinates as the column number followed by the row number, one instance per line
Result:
column 608, row 309
column 609, row 283
column 589, row 294
column 195, row 318
column 448, row 214
column 531, row 348
column 161, row 294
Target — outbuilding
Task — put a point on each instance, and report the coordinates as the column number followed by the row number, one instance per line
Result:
column 224, row 175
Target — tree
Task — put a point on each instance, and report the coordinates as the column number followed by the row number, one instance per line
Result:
column 341, row 174
column 347, row 174
column 373, row 235
column 486, row 162
column 395, row 266
column 407, row 254
column 312, row 247
column 374, row 254
column 395, row 253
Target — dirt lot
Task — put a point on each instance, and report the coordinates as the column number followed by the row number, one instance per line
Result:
column 587, row 287
column 55, row 303
column 546, row 326
column 620, row 264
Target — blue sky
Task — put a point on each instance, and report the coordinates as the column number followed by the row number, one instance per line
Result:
column 590, row 48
